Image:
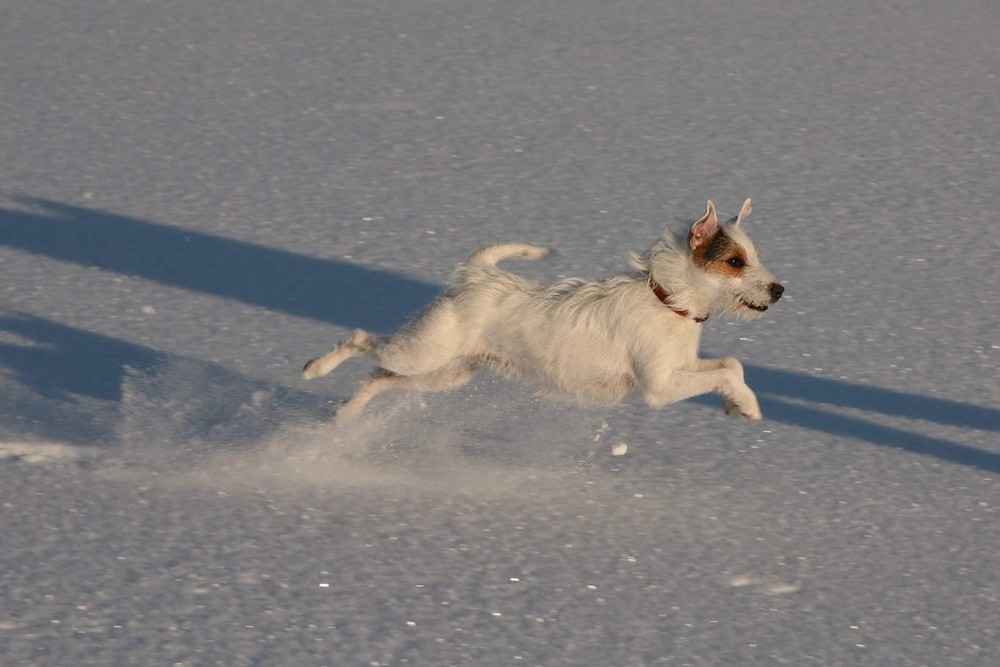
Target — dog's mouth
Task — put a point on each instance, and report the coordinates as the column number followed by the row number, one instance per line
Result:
column 753, row 306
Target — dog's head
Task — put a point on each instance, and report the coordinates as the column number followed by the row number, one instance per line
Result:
column 731, row 264
column 714, row 268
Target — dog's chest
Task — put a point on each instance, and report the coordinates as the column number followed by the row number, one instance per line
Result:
column 669, row 341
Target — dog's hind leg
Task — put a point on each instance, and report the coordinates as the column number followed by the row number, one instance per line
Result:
column 434, row 339
column 449, row 377
column 359, row 344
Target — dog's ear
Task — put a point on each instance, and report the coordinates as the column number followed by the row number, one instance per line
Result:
column 706, row 228
column 744, row 212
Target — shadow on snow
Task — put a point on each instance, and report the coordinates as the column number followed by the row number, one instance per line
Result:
column 319, row 289
column 73, row 386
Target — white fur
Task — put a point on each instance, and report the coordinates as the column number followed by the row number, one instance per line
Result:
column 593, row 341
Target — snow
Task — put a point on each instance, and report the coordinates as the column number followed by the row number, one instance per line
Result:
column 198, row 197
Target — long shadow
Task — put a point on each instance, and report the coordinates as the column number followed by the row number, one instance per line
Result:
column 56, row 366
column 60, row 362
column 353, row 296
column 777, row 382
column 885, row 436
column 327, row 290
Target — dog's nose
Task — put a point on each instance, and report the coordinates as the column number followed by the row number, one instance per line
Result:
column 776, row 290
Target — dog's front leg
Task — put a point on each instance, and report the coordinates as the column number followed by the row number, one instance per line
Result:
column 725, row 362
column 711, row 375
column 728, row 404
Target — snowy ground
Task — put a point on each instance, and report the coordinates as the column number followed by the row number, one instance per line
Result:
column 197, row 197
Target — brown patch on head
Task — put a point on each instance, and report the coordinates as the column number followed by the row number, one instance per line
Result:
column 721, row 255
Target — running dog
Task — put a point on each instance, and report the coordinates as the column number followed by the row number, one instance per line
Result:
column 592, row 341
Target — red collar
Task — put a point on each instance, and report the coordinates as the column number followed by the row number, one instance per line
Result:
column 664, row 298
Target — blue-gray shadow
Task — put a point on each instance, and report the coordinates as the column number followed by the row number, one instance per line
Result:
column 778, row 382
column 59, row 364
column 817, row 419
column 774, row 386
column 353, row 296
column 320, row 289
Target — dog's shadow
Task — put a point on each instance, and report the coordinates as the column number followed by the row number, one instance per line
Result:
column 328, row 290
column 82, row 388
column 808, row 401
column 68, row 380
column 59, row 364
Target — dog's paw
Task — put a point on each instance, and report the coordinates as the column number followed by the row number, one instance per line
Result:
column 345, row 414
column 312, row 369
column 746, row 408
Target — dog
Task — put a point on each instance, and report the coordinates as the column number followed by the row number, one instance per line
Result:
column 591, row 341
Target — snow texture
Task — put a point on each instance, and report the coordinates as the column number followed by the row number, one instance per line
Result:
column 196, row 197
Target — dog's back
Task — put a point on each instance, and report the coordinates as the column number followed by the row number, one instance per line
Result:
column 566, row 338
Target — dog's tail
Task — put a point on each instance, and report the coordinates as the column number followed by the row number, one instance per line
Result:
column 492, row 254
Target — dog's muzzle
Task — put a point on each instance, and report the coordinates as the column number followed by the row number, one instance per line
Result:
column 775, row 290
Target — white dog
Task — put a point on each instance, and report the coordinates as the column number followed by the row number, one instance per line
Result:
column 592, row 341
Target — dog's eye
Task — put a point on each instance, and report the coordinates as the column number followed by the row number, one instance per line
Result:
column 736, row 262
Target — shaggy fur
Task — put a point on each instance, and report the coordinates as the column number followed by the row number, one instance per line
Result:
column 596, row 342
